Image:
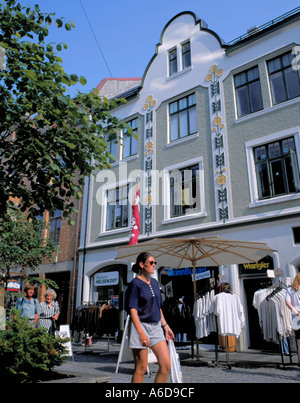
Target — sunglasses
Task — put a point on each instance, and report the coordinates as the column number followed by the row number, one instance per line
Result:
column 152, row 263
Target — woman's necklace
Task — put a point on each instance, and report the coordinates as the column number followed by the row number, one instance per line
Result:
column 148, row 282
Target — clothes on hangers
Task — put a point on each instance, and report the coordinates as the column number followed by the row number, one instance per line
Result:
column 99, row 318
column 230, row 314
column 203, row 317
column 258, row 297
column 108, row 320
column 275, row 317
column 178, row 315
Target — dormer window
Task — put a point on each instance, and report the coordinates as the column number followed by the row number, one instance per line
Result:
column 173, row 68
column 179, row 58
column 186, row 55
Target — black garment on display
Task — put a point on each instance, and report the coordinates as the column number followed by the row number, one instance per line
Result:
column 178, row 318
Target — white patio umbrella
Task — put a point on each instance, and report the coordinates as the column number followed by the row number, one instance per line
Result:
column 192, row 252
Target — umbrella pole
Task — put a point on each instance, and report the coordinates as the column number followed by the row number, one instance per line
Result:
column 195, row 299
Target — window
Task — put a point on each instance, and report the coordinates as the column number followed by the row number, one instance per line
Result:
column 184, row 191
column 248, row 92
column 55, row 225
column 296, row 233
column 112, row 148
column 275, row 168
column 129, row 141
column 173, row 68
column 183, row 117
column 117, row 208
column 284, row 80
column 186, row 55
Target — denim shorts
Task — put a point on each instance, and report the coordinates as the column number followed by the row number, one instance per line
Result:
column 153, row 330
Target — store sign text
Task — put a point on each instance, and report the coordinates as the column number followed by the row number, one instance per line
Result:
column 256, row 266
column 188, row 271
column 104, row 279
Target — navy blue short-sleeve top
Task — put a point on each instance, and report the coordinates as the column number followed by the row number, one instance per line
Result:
column 145, row 298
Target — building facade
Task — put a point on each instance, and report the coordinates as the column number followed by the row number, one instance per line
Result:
column 216, row 153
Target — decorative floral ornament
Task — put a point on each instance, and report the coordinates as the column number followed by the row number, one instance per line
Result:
column 217, row 121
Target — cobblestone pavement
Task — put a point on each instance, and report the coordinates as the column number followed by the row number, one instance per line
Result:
column 97, row 364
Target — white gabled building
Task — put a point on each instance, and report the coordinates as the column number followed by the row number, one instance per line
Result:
column 217, row 153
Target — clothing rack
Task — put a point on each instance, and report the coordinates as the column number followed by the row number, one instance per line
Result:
column 277, row 288
column 84, row 324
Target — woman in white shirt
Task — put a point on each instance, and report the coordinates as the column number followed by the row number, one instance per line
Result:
column 292, row 300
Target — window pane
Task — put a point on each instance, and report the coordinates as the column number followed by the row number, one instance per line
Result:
column 134, row 124
column 186, row 60
column 183, row 117
column 110, row 217
column 242, row 101
column 125, row 216
column 193, row 120
column 174, row 127
column 290, row 174
column 182, row 103
column 288, row 144
column 292, row 83
column 126, row 148
column 253, row 74
column 192, row 100
column 274, row 149
column 240, row 79
column 278, row 89
column 134, row 146
column 260, row 153
column 277, row 177
column 173, row 107
column 287, row 60
column 274, row 65
column 263, row 180
column 173, row 62
column 255, row 96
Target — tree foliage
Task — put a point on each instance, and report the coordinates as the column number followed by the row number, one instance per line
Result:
column 47, row 138
column 23, row 245
column 27, row 354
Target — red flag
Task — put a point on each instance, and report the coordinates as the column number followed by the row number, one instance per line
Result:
column 135, row 221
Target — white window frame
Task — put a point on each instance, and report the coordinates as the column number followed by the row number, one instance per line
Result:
column 105, row 189
column 167, row 191
column 180, row 69
column 189, row 136
column 131, row 156
column 253, row 188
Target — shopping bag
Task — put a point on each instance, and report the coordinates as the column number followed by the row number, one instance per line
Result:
column 296, row 320
column 176, row 374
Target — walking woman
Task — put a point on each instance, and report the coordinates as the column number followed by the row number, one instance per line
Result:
column 148, row 327
column 50, row 312
column 292, row 300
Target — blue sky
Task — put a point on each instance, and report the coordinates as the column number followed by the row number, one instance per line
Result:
column 128, row 30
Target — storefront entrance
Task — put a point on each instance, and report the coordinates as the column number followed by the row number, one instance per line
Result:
column 255, row 277
column 256, row 340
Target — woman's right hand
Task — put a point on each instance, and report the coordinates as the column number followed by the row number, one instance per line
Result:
column 144, row 340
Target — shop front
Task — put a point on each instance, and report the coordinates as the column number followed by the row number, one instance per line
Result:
column 178, row 294
column 255, row 277
column 102, row 314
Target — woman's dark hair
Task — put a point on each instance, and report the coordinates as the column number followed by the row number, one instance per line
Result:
column 142, row 257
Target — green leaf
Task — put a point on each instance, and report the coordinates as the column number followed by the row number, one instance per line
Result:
column 83, row 80
column 59, row 23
